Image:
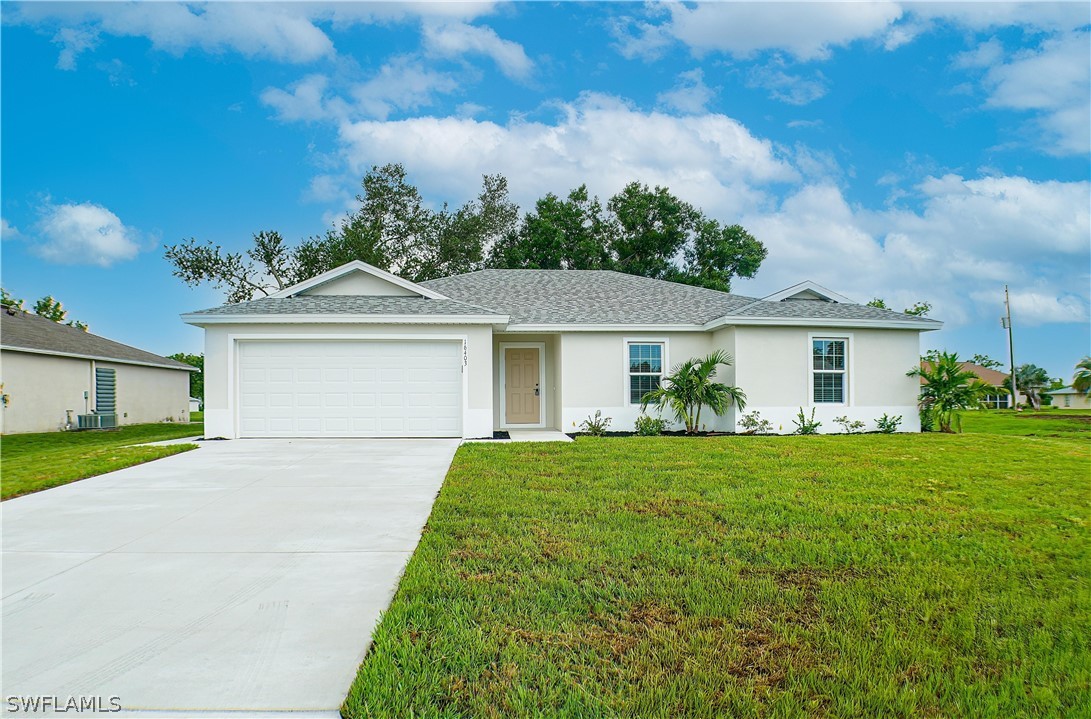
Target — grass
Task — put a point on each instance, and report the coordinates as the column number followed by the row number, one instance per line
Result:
column 33, row 462
column 1046, row 423
column 854, row 576
column 196, row 416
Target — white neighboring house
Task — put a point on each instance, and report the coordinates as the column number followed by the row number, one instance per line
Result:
column 359, row 352
column 194, row 404
column 1068, row 398
column 52, row 373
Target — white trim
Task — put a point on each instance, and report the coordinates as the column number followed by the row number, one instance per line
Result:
column 543, row 328
column 804, row 286
column 305, row 319
column 358, row 266
column 850, row 361
column 233, row 362
column 665, row 368
column 925, row 326
column 73, row 355
column 540, row 346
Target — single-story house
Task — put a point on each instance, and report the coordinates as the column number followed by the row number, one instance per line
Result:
column 1001, row 398
column 359, row 352
column 1069, row 398
column 53, row 374
column 194, row 404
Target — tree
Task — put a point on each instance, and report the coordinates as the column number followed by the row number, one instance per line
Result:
column 653, row 227
column 689, row 387
column 878, row 303
column 1081, row 378
column 986, row 361
column 8, row 301
column 1031, row 381
column 46, row 307
column 948, row 388
column 571, row 234
column 919, row 309
column 196, row 379
column 717, row 254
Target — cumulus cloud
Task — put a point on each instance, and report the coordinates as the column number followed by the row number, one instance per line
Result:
column 690, row 95
column 8, row 231
column 786, row 87
column 460, row 38
column 712, row 160
column 84, row 234
column 302, row 101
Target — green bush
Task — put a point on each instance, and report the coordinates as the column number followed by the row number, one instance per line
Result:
column 887, row 424
column 650, row 426
column 851, row 426
column 753, row 423
column 595, row 426
column 804, row 425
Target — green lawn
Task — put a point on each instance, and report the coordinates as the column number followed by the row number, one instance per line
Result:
column 196, row 416
column 32, row 462
column 1047, row 423
column 855, row 576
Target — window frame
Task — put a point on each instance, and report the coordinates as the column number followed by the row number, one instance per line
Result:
column 846, row 374
column 627, row 374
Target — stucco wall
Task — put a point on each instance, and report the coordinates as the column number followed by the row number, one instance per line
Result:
column 219, row 361
column 1075, row 401
column 41, row 387
column 773, row 367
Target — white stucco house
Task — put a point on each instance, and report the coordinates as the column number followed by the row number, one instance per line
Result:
column 359, row 352
column 1069, row 398
column 53, row 374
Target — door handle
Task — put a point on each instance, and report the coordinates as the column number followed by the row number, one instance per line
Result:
column 537, row 392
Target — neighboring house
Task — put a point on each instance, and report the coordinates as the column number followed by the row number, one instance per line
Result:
column 194, row 404
column 1068, row 398
column 52, row 373
column 1001, row 397
column 361, row 352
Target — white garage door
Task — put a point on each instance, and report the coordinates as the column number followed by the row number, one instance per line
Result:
column 350, row 389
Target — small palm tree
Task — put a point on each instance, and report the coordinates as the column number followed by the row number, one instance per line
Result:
column 948, row 388
column 1081, row 380
column 689, row 387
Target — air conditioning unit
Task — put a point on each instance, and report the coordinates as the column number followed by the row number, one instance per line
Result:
column 96, row 421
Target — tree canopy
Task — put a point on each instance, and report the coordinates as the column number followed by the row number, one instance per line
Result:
column 919, row 309
column 641, row 230
column 47, row 307
column 196, row 379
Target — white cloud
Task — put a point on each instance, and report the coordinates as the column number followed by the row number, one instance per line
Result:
column 305, row 100
column 986, row 54
column 84, row 234
column 9, row 231
column 690, row 95
column 401, row 84
column 792, row 89
column 453, row 39
column 711, row 160
column 1040, row 306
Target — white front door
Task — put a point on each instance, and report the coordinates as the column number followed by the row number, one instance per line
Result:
column 356, row 388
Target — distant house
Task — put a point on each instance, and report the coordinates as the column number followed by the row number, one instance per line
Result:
column 53, row 373
column 1001, row 399
column 1068, row 398
column 194, row 404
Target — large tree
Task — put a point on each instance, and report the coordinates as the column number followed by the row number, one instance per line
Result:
column 570, row 234
column 1031, row 380
column 196, row 379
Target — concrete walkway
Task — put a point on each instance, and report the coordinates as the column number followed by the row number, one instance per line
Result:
column 243, row 576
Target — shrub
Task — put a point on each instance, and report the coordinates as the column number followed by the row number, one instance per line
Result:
column 595, row 426
column 753, row 423
column 851, row 426
column 804, row 425
column 887, row 424
column 649, row 426
column 928, row 422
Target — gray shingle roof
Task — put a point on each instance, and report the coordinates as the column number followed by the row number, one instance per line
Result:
column 347, row 304
column 812, row 309
column 24, row 330
column 587, row 297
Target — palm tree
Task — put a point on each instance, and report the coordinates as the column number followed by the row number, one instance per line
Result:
column 948, row 388
column 689, row 387
column 1031, row 380
column 1081, row 380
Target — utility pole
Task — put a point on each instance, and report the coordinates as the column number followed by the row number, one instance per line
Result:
column 1006, row 322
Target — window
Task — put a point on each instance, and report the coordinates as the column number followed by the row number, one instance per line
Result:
column 996, row 401
column 828, row 367
column 645, row 368
column 1067, row 401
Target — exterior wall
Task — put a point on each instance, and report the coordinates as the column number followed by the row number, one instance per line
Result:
column 550, row 390
column 360, row 283
column 149, row 394
column 594, row 366
column 773, row 367
column 1074, row 401
column 220, row 365
column 42, row 387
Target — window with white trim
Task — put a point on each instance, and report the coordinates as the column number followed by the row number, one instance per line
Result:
column 828, row 365
column 645, row 368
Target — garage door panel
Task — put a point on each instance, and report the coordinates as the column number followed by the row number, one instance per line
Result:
column 350, row 388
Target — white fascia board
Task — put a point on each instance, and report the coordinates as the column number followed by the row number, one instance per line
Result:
column 96, row 358
column 603, row 328
column 201, row 320
column 803, row 287
column 358, row 266
column 824, row 322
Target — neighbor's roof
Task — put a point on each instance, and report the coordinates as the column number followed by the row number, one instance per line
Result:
column 985, row 374
column 346, row 305
column 27, row 332
column 1063, row 390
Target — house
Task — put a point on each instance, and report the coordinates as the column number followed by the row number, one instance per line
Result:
column 359, row 352
column 1069, row 398
column 53, row 373
column 194, row 404
column 1001, row 398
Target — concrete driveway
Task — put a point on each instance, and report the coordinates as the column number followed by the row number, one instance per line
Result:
column 244, row 575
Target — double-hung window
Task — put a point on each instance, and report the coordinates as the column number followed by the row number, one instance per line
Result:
column 828, row 366
column 645, row 368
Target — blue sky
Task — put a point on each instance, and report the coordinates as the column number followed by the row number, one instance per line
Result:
column 908, row 151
